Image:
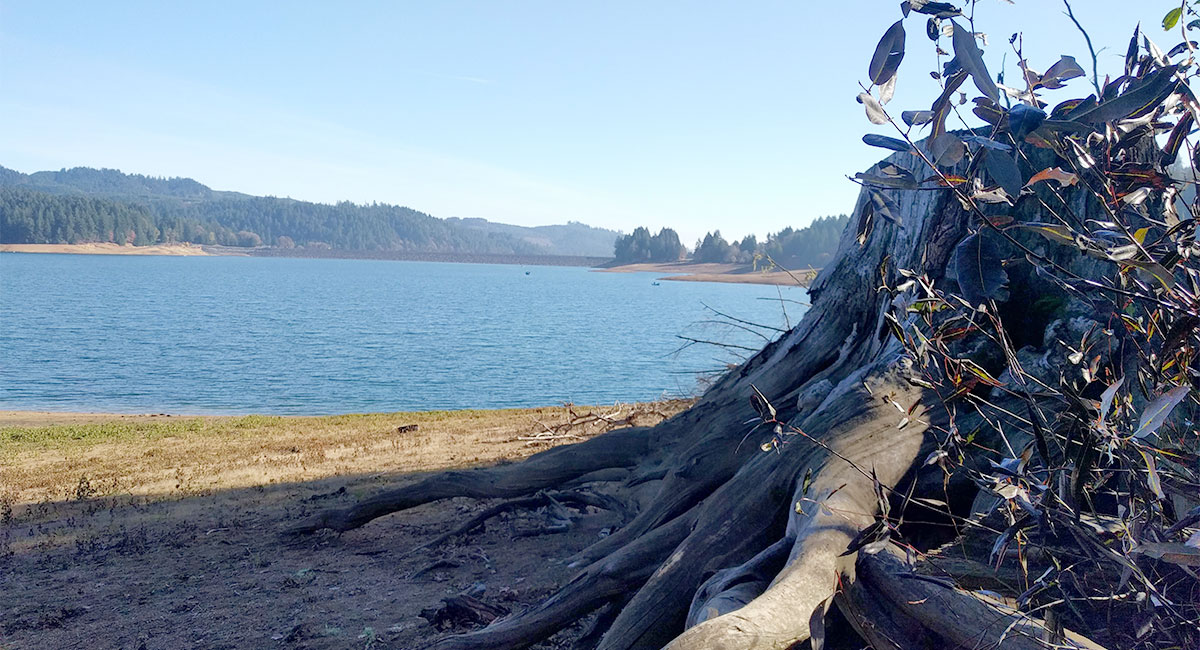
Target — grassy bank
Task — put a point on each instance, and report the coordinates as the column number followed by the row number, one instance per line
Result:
column 47, row 456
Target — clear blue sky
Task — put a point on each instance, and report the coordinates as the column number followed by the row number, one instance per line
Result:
column 695, row 115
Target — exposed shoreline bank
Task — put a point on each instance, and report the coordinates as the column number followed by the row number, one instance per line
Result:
column 709, row 272
column 46, row 450
column 186, row 513
column 106, row 248
column 30, row 418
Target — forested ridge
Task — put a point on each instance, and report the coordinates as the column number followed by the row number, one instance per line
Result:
column 103, row 205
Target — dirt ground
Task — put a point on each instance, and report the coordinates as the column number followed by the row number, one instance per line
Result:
column 153, row 532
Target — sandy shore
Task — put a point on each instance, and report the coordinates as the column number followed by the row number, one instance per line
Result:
column 734, row 273
column 105, row 248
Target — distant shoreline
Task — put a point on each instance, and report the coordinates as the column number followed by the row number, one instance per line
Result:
column 709, row 272
column 105, row 248
column 678, row 271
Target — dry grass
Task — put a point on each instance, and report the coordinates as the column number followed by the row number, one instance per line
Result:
column 52, row 457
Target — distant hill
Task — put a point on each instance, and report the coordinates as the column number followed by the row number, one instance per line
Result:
column 114, row 184
column 84, row 205
column 573, row 238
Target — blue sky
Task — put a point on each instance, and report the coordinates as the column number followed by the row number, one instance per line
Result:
column 695, row 115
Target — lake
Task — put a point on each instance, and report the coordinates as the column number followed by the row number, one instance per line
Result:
column 230, row 335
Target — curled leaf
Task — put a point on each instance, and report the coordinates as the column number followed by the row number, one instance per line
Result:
column 874, row 109
column 890, row 177
column 947, row 149
column 761, row 405
column 884, row 142
column 888, row 54
column 916, row 118
column 941, row 106
column 1182, row 47
column 1052, row 231
column 887, row 90
column 1054, row 174
column 1140, row 98
column 866, row 223
column 1170, row 150
column 1152, row 479
column 885, row 207
column 933, row 29
column 981, row 276
column 1156, row 412
column 1066, row 68
column 1131, row 53
column 997, row 195
column 1155, row 51
column 1155, row 270
column 971, row 59
column 1107, row 397
column 986, row 143
column 1170, row 20
column 1003, row 169
column 1023, row 119
column 935, row 9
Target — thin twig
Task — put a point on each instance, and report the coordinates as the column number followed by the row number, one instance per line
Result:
column 1091, row 50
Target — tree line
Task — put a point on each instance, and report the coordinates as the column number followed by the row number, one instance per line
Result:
column 31, row 216
column 814, row 245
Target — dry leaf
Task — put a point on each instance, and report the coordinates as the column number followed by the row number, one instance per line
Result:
column 1054, row 174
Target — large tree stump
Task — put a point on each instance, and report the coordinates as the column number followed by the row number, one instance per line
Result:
column 740, row 547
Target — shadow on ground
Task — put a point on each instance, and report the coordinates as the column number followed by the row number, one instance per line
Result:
column 211, row 571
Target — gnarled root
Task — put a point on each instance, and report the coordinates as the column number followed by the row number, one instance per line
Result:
column 577, row 499
column 946, row 615
column 548, row 469
column 598, row 584
column 828, row 512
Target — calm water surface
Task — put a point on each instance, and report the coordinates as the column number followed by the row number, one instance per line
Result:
column 314, row 336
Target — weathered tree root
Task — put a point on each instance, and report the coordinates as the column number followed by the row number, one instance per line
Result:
column 890, row 606
column 547, row 469
column 827, row 513
column 579, row 499
column 600, row 583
